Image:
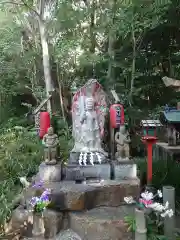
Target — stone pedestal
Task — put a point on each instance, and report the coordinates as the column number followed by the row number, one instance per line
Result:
column 74, row 171
column 49, row 173
column 125, row 170
column 98, row 171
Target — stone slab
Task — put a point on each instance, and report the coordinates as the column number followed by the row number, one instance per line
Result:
column 98, row 171
column 66, row 195
column 103, row 223
column 22, row 220
column 49, row 173
column 75, row 197
column 125, row 170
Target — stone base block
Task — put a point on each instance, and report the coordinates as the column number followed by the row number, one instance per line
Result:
column 49, row 173
column 104, row 223
column 98, row 171
column 125, row 170
column 22, row 220
column 78, row 197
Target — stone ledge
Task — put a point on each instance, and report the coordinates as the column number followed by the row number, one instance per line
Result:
column 104, row 223
column 75, row 197
column 67, row 195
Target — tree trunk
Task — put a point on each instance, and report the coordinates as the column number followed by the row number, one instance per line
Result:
column 111, row 56
column 46, row 61
column 133, row 69
column 60, row 91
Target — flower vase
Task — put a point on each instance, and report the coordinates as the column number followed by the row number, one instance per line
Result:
column 38, row 225
column 141, row 230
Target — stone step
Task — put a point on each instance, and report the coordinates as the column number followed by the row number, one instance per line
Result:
column 78, row 197
column 103, row 223
column 67, row 195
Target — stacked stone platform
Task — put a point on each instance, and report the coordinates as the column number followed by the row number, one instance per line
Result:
column 92, row 210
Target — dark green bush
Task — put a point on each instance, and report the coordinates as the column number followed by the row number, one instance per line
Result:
column 164, row 173
column 20, row 155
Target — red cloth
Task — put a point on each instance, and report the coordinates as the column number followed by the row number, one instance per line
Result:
column 45, row 123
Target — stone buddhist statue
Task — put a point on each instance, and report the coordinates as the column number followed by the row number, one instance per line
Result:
column 50, row 142
column 122, row 140
column 89, row 109
column 90, row 130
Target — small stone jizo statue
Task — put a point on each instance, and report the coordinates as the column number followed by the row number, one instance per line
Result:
column 122, row 140
column 50, row 141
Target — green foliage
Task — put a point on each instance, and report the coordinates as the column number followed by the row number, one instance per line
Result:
column 164, row 173
column 20, row 155
column 153, row 231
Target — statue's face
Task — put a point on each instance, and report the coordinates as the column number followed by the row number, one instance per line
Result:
column 50, row 131
column 89, row 103
column 122, row 129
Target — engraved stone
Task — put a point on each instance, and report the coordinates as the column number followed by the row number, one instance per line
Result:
column 125, row 170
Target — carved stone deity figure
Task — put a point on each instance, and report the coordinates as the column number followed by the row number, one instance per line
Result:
column 122, row 140
column 90, row 130
column 50, row 141
column 88, row 115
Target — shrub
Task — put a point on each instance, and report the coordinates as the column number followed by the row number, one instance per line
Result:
column 20, row 155
column 164, row 173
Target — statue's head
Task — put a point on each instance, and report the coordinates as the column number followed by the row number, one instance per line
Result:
column 50, row 131
column 122, row 129
column 89, row 103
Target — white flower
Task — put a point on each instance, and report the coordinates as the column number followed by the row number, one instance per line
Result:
column 168, row 213
column 129, row 200
column 147, row 195
column 159, row 193
column 156, row 207
column 24, row 182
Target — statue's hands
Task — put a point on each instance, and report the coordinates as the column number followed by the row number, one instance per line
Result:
column 102, row 132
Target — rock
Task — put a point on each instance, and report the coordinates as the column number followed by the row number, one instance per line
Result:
column 68, row 235
column 125, row 170
column 53, row 223
column 49, row 173
column 71, row 196
column 22, row 220
column 104, row 223
column 98, row 171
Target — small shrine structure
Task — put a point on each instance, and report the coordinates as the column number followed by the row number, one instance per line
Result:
column 169, row 145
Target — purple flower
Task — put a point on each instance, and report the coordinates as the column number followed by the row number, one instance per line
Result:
column 34, row 201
